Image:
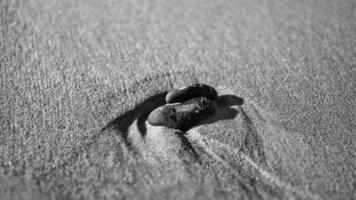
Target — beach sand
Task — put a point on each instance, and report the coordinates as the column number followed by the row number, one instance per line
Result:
column 79, row 78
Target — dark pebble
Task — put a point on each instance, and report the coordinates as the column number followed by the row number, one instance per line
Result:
column 182, row 116
column 189, row 92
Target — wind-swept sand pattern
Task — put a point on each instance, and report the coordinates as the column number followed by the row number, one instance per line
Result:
column 251, row 153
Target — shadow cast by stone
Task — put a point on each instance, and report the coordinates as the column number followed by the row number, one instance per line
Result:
column 229, row 100
column 140, row 112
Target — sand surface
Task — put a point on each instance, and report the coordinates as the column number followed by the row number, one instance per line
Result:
column 79, row 78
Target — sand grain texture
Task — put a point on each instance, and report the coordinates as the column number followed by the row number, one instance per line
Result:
column 78, row 79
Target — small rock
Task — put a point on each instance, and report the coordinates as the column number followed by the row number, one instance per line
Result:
column 189, row 92
column 181, row 116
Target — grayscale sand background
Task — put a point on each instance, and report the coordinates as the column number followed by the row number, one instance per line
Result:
column 79, row 76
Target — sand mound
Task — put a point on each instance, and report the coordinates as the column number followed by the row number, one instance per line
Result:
column 227, row 155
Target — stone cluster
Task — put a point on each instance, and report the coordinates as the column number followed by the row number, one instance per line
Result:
column 185, row 107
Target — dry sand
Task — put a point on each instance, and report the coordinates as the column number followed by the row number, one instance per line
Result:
column 79, row 78
column 236, row 147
